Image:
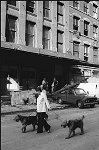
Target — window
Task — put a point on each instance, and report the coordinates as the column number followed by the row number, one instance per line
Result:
column 86, row 52
column 11, row 3
column 95, row 54
column 85, row 7
column 46, row 9
column 75, row 4
column 46, row 37
column 86, row 28
column 94, row 11
column 76, row 48
column 10, row 28
column 95, row 31
column 30, row 34
column 59, row 12
column 75, row 23
column 60, row 41
column 30, row 6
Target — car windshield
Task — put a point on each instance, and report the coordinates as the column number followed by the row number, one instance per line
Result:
column 80, row 91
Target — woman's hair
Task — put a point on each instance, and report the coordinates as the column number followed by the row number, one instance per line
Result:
column 39, row 88
column 44, row 87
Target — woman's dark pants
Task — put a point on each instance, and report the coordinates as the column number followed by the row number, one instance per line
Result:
column 42, row 122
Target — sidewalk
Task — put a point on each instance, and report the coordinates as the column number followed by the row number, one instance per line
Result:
column 8, row 109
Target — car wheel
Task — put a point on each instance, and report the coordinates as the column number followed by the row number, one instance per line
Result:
column 79, row 104
column 92, row 106
column 60, row 101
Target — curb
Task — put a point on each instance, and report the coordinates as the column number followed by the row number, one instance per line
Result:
column 32, row 110
column 18, row 111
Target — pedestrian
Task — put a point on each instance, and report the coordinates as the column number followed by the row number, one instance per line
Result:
column 45, row 83
column 72, row 82
column 54, row 85
column 42, row 108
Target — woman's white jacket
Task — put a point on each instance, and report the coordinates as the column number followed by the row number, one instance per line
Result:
column 42, row 102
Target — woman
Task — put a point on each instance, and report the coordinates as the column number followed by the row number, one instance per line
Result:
column 42, row 108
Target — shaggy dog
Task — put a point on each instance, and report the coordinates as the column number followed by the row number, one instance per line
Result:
column 26, row 120
column 73, row 125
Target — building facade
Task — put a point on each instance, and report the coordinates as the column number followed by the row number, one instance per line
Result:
column 46, row 39
column 84, row 34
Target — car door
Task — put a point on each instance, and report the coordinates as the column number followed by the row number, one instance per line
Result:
column 63, row 95
column 71, row 97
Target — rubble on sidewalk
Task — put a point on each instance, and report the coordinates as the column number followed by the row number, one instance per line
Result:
column 8, row 109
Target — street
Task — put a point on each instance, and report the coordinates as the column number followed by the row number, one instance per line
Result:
column 13, row 139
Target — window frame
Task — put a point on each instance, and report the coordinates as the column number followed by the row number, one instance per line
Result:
column 32, row 8
column 46, row 9
column 59, row 42
column 95, row 56
column 95, row 31
column 75, row 23
column 75, row 43
column 95, row 13
column 86, row 7
column 9, row 3
column 86, row 27
column 59, row 14
column 76, row 4
column 86, row 48
column 46, row 39
column 10, row 30
column 30, row 35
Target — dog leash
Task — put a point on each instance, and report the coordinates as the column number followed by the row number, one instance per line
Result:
column 58, row 117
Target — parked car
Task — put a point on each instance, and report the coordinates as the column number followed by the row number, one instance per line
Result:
column 74, row 95
column 91, row 88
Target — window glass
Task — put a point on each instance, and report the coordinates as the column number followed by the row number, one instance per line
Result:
column 95, row 31
column 76, row 49
column 60, row 12
column 75, row 4
column 30, row 33
column 85, row 7
column 11, row 2
column 60, row 37
column 10, row 28
column 46, row 37
column 46, row 4
column 95, row 54
column 86, row 52
column 46, row 9
column 60, row 41
column 86, row 24
column 30, row 6
column 60, row 9
column 94, row 10
column 75, row 23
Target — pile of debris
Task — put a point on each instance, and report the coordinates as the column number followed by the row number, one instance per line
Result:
column 23, row 97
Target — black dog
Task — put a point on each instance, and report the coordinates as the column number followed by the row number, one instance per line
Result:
column 73, row 125
column 26, row 120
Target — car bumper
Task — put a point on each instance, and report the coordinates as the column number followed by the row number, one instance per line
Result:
column 90, row 103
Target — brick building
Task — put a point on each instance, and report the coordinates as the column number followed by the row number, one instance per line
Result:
column 46, row 39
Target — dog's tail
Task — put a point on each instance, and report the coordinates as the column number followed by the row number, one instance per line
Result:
column 82, row 117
